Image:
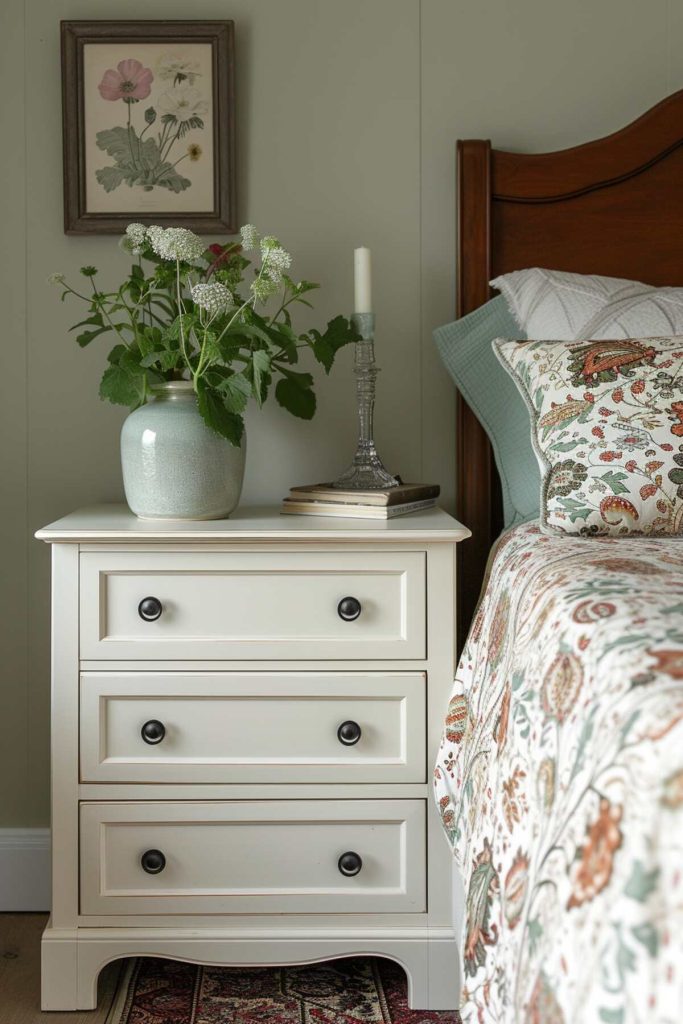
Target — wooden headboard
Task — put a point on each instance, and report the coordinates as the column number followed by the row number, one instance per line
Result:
column 613, row 206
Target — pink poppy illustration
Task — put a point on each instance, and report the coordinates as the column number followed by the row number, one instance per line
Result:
column 130, row 81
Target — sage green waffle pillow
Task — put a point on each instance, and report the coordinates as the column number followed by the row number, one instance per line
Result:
column 465, row 347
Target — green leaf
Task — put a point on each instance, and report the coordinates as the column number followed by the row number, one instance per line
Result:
column 165, row 359
column 188, row 321
column 87, row 336
column 535, row 932
column 563, row 446
column 116, row 353
column 570, row 503
column 642, row 882
column 339, row 332
column 167, row 177
column 121, row 387
column 186, row 126
column 283, row 337
column 302, row 380
column 118, row 142
column 647, row 935
column 260, row 374
column 626, row 959
column 137, row 161
column 245, row 331
column 91, row 321
column 229, row 350
column 612, row 1016
column 300, row 401
column 304, row 286
column 147, row 340
column 111, row 177
column 212, row 350
column 613, row 480
column 236, row 392
column 584, row 739
column 214, row 413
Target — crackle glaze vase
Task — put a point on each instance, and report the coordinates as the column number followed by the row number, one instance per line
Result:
column 174, row 466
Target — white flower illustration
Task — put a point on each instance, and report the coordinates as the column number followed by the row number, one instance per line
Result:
column 183, row 102
column 173, row 67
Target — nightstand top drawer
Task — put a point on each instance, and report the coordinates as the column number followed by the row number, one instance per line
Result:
column 254, row 605
column 252, row 727
column 304, row 856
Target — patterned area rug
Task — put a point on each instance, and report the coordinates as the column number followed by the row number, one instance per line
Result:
column 362, row 990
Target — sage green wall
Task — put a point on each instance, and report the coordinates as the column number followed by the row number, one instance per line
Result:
column 348, row 112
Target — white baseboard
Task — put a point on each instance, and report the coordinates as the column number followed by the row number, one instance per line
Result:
column 24, row 869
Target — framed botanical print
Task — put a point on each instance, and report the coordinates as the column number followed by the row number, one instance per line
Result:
column 149, row 125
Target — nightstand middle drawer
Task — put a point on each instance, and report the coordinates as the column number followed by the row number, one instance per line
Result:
column 253, row 605
column 224, row 727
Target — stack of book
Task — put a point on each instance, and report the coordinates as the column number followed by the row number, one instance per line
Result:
column 326, row 500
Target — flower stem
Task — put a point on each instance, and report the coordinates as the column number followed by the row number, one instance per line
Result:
column 100, row 305
column 181, row 311
column 130, row 141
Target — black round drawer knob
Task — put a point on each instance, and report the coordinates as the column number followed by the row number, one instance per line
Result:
column 349, row 863
column 153, row 731
column 153, row 862
column 349, row 608
column 349, row 733
column 150, row 609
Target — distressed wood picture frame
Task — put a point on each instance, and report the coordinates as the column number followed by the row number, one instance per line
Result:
column 148, row 125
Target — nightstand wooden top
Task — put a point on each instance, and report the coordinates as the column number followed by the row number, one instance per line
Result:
column 116, row 523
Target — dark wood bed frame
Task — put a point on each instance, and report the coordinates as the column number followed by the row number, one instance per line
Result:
column 613, row 206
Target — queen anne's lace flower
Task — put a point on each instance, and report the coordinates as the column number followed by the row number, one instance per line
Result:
column 249, row 237
column 176, row 243
column 154, row 231
column 56, row 279
column 127, row 245
column 136, row 235
column 215, row 298
column 262, row 288
column 275, row 261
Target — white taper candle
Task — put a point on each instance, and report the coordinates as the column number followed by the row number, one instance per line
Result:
column 362, row 279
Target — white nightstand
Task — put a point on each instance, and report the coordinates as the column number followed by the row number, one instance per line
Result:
column 245, row 715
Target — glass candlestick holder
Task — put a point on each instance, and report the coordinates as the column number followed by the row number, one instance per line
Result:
column 366, row 472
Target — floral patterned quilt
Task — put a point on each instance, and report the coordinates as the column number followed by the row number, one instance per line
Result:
column 560, row 783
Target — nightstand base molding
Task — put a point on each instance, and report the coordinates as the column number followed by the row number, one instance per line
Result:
column 73, row 958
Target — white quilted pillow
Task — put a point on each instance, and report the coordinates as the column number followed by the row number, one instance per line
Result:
column 570, row 307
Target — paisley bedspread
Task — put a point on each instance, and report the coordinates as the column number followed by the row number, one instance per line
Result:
column 560, row 784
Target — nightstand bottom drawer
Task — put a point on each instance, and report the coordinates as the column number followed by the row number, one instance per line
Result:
column 266, row 856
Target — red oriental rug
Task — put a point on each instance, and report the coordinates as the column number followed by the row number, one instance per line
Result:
column 361, row 990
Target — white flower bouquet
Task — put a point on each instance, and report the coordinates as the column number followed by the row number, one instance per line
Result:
column 183, row 312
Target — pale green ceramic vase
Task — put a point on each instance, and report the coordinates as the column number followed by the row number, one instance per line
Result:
column 174, row 466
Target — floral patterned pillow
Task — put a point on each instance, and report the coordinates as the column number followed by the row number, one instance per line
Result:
column 607, row 428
